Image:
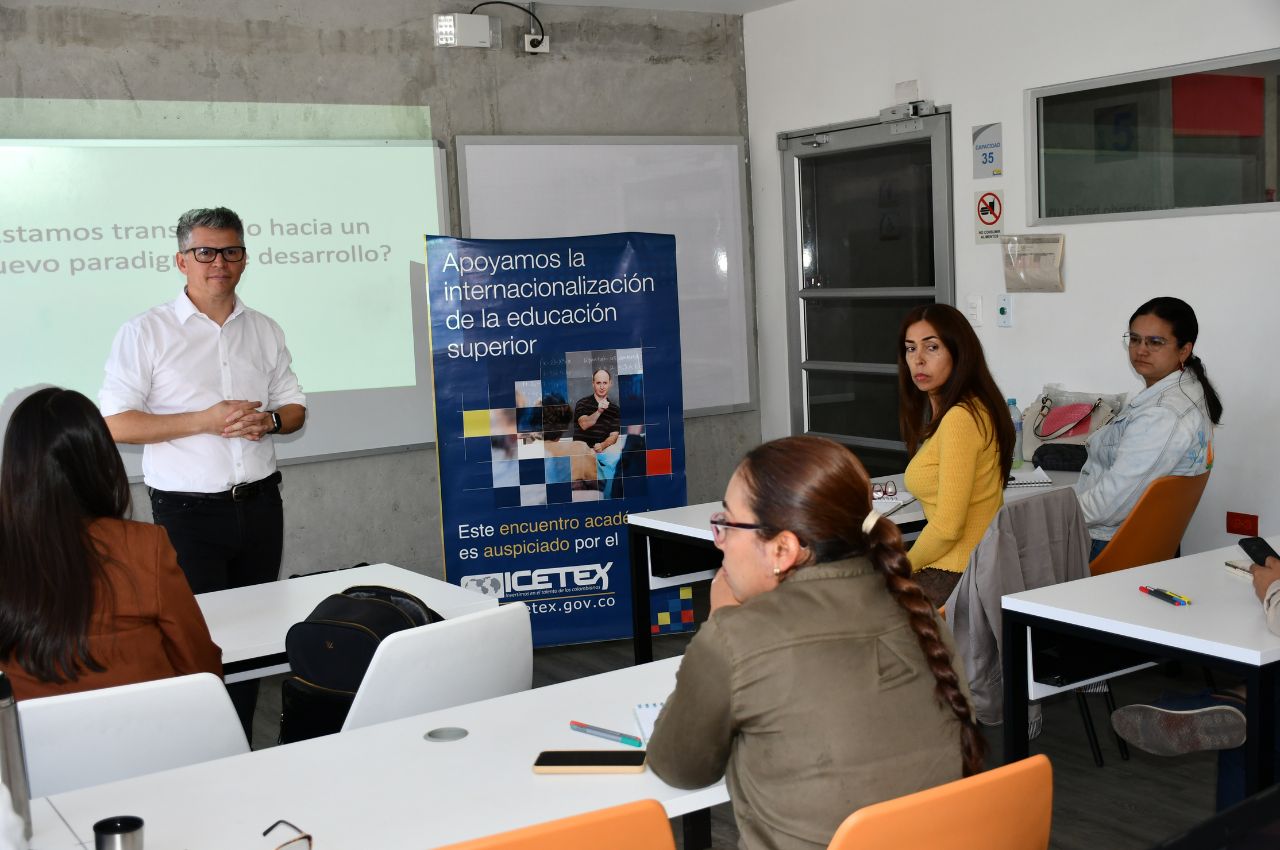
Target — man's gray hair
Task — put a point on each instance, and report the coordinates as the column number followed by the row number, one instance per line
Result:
column 217, row 218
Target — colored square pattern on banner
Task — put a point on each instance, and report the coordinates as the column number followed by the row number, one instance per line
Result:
column 672, row 610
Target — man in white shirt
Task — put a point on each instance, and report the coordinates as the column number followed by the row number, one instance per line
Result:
column 202, row 382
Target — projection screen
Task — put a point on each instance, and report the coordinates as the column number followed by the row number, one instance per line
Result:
column 334, row 232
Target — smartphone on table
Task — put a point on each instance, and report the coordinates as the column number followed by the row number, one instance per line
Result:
column 590, row 761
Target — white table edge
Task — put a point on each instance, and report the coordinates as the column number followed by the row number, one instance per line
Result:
column 1161, row 637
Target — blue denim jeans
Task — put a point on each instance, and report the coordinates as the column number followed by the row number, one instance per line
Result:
column 1231, row 772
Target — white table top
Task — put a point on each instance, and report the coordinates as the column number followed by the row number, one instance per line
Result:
column 49, row 831
column 694, row 520
column 384, row 786
column 251, row 622
column 1224, row 618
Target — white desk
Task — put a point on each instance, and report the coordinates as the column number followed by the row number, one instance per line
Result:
column 1222, row 627
column 385, row 787
column 49, row 831
column 250, row 623
column 687, row 531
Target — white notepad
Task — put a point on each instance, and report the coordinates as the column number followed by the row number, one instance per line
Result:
column 1035, row 477
column 889, row 505
column 647, row 716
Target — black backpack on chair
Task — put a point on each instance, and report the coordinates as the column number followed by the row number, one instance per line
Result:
column 330, row 651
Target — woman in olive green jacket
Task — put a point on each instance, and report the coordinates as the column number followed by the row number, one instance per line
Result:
column 823, row 680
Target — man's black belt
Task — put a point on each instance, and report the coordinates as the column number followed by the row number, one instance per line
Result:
column 238, row 493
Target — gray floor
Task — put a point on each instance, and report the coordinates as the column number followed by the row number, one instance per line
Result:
column 1117, row 807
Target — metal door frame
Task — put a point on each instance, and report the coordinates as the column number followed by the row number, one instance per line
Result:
column 799, row 145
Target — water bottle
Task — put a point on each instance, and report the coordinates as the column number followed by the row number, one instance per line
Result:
column 1017, row 432
column 13, row 766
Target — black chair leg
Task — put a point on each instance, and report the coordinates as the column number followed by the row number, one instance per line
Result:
column 1209, row 681
column 1111, row 708
column 1087, row 717
column 696, row 827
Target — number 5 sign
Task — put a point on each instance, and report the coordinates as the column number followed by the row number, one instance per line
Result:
column 988, row 216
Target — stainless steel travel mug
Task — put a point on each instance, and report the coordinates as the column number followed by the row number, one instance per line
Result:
column 123, row 832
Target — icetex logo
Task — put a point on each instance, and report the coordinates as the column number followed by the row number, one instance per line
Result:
column 534, row 581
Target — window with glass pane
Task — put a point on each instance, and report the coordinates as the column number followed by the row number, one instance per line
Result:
column 867, row 217
column 1204, row 139
column 828, row 323
column 880, row 461
column 853, row 404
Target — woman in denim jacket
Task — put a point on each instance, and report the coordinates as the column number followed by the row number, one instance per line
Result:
column 1166, row 429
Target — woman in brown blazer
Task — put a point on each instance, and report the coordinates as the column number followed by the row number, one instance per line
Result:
column 88, row 599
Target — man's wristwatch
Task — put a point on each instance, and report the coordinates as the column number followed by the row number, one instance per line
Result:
column 276, row 424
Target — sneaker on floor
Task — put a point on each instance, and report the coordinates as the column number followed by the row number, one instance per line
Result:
column 1164, row 732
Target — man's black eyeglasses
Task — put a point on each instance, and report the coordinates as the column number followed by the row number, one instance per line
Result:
column 231, row 253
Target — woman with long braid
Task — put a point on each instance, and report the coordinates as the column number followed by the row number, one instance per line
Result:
column 823, row 680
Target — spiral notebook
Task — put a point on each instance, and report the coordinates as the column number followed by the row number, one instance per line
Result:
column 647, row 716
column 888, row 505
column 1034, row 477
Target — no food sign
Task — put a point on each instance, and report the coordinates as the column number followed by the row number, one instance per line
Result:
column 988, row 216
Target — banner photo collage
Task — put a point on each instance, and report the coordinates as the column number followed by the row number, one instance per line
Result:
column 558, row 411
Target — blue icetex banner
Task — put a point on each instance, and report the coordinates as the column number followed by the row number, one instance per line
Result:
column 559, row 410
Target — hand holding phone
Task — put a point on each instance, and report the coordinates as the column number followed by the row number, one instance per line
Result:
column 590, row 761
column 1258, row 549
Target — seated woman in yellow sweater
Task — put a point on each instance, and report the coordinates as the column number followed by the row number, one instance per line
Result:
column 960, row 438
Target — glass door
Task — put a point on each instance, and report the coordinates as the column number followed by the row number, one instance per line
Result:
column 868, row 237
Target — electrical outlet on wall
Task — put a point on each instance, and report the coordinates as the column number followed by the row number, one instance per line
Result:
column 544, row 46
column 1245, row 525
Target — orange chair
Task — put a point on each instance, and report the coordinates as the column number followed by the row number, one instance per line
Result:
column 641, row 825
column 1154, row 528
column 1151, row 533
column 1006, row 808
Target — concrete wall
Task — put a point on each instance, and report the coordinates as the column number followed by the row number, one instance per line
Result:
column 610, row 72
column 815, row 62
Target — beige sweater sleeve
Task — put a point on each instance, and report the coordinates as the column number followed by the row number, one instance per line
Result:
column 1271, row 605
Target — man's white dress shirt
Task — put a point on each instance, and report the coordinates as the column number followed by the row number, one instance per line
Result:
column 175, row 359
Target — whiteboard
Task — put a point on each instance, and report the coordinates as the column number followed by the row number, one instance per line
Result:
column 516, row 187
